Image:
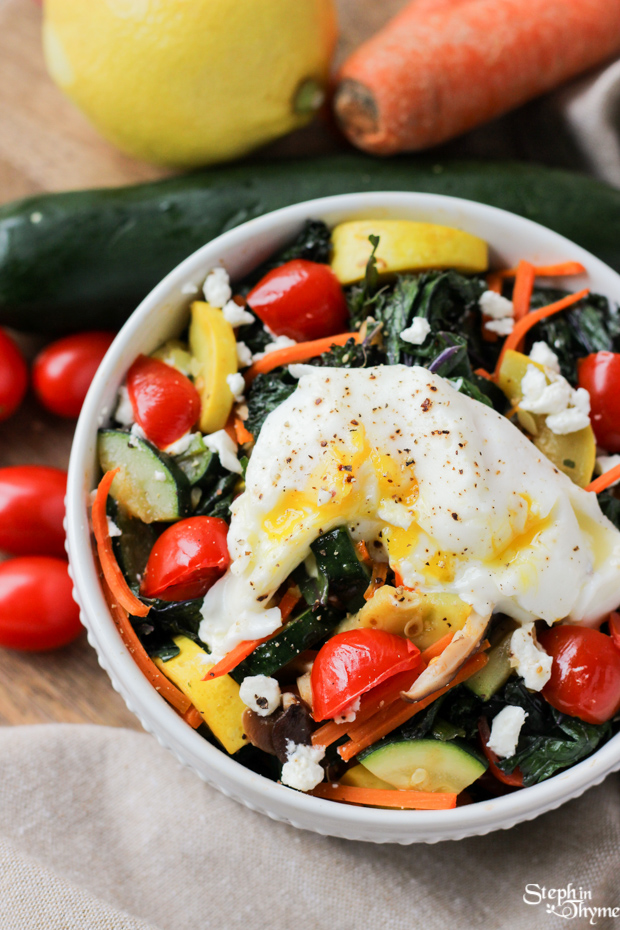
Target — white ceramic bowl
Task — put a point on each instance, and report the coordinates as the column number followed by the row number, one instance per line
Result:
column 163, row 314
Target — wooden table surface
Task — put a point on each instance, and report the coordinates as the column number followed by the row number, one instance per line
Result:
column 47, row 145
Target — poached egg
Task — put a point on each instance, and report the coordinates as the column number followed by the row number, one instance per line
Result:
column 444, row 488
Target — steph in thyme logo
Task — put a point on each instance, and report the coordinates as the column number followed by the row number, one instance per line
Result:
column 568, row 903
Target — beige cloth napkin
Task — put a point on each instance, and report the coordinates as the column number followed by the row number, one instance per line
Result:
column 102, row 829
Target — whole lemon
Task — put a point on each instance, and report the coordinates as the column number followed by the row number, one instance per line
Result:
column 189, row 82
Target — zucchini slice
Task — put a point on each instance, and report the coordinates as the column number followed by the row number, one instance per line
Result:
column 149, row 486
column 425, row 764
column 299, row 634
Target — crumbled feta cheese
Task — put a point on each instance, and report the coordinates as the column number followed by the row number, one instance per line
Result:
column 137, row 431
column 605, row 463
column 236, row 383
column 529, row 658
column 244, row 355
column 539, row 396
column 159, row 475
column 495, row 306
column 279, row 342
column 113, row 529
column 567, row 409
column 544, row 355
column 189, row 288
column 581, row 401
column 417, row 332
column 221, row 443
column 261, row 694
column 217, row 289
column 301, row 769
column 236, row 315
column 243, row 411
column 124, row 411
column 505, row 731
column 349, row 713
column 182, row 444
column 502, row 327
column 568, row 421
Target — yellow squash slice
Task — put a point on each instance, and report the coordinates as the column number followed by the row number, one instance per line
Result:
column 404, row 246
column 213, row 345
column 217, row 701
column 423, row 618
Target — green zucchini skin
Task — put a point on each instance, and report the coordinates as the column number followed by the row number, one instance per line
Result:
column 85, row 259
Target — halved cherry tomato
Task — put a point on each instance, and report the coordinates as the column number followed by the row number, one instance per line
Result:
column 37, row 610
column 599, row 374
column 352, row 663
column 515, row 779
column 187, row 559
column 614, row 628
column 63, row 370
column 165, row 402
column 13, row 376
column 302, row 300
column 32, row 508
column 585, row 675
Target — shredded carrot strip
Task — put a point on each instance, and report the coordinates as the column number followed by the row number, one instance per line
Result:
column 604, row 481
column 431, row 652
column 494, row 281
column 361, row 550
column 300, row 352
column 235, row 657
column 193, row 716
column 379, row 574
column 524, row 286
column 385, row 797
column 329, row 733
column 562, row 269
column 242, row 435
column 391, row 717
column 288, row 603
column 523, row 326
column 483, row 373
column 110, row 567
column 170, row 692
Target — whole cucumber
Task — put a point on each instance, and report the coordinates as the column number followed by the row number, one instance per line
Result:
column 85, row 259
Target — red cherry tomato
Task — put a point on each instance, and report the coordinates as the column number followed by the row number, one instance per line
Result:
column 13, row 376
column 37, row 610
column 515, row 779
column 585, row 675
column 351, row 663
column 302, row 300
column 32, row 508
column 599, row 374
column 187, row 559
column 165, row 403
column 63, row 370
column 614, row 628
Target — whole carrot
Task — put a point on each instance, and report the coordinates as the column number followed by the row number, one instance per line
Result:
column 433, row 73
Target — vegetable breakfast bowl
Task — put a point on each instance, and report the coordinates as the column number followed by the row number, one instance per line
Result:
column 334, row 522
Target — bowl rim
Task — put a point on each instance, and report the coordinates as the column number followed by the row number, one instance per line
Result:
column 212, row 764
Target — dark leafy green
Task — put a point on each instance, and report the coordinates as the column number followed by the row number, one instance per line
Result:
column 592, row 325
column 218, row 497
column 610, row 505
column 265, row 394
column 549, row 741
column 166, row 619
